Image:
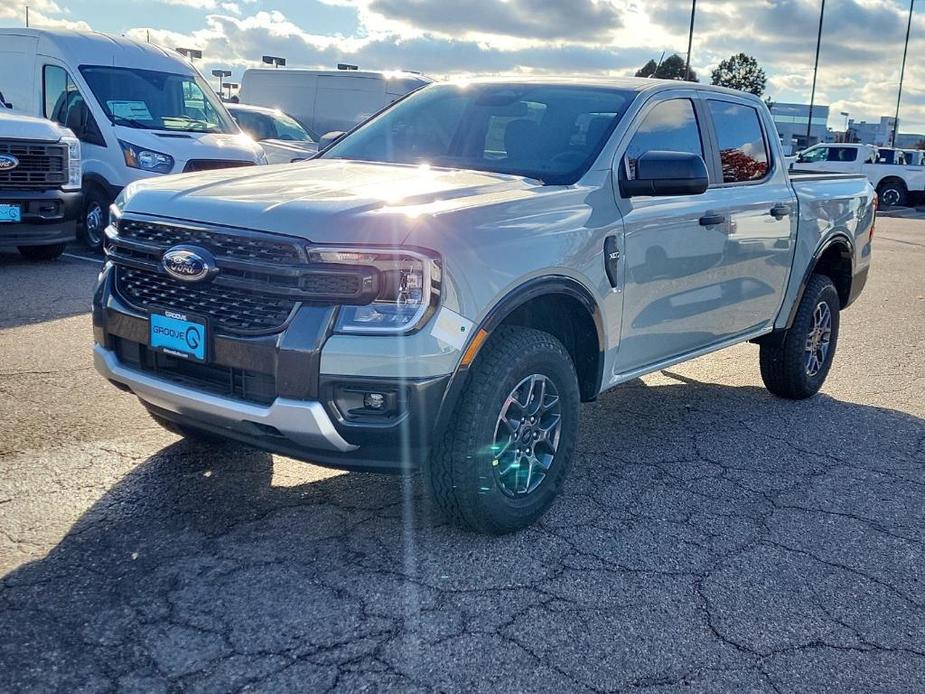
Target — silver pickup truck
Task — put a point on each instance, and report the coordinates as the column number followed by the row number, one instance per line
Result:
column 445, row 285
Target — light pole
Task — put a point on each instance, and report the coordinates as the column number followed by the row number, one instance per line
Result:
column 229, row 86
column 847, row 120
column 690, row 42
column 902, row 75
column 221, row 74
column 274, row 60
column 812, row 98
column 191, row 53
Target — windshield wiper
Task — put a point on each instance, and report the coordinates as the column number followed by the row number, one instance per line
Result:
column 122, row 120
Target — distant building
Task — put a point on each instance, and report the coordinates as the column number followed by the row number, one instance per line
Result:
column 791, row 121
column 866, row 133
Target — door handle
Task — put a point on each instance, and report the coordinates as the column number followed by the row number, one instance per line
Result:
column 780, row 211
column 712, row 219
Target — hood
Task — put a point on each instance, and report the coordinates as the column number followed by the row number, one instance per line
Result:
column 324, row 200
column 20, row 127
column 183, row 146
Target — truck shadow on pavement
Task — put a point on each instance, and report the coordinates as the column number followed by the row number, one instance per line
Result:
column 711, row 537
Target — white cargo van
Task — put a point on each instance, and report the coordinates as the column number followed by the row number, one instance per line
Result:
column 327, row 100
column 139, row 110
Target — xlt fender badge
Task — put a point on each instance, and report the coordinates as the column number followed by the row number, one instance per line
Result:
column 451, row 328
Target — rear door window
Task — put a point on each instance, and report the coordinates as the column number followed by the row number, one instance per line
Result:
column 743, row 149
column 671, row 126
column 842, row 154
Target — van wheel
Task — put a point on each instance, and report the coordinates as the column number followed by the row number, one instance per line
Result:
column 893, row 193
column 503, row 458
column 797, row 366
column 42, row 252
column 96, row 218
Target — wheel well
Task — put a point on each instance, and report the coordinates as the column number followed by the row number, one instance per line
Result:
column 569, row 320
column 835, row 263
column 891, row 180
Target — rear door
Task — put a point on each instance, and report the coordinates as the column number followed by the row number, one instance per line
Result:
column 760, row 206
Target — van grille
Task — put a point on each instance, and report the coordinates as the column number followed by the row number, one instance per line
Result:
column 40, row 166
column 211, row 164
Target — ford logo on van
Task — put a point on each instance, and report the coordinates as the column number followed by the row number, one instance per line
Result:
column 189, row 263
column 7, row 162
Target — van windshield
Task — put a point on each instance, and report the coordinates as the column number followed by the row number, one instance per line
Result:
column 549, row 132
column 153, row 100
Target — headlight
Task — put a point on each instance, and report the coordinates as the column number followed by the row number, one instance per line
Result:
column 73, row 162
column 146, row 159
column 408, row 288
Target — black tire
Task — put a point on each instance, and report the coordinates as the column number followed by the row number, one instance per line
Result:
column 785, row 365
column 42, row 252
column 463, row 471
column 893, row 193
column 95, row 218
column 190, row 433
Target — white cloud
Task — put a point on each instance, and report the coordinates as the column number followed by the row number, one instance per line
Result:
column 42, row 13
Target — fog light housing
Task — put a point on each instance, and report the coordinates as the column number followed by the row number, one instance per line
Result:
column 374, row 401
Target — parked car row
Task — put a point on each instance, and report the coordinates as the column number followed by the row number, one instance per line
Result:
column 140, row 111
column 895, row 173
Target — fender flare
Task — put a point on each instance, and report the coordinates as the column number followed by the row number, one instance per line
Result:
column 839, row 238
column 514, row 299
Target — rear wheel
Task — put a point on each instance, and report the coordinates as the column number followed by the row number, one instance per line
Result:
column 797, row 366
column 893, row 193
column 504, row 456
column 42, row 252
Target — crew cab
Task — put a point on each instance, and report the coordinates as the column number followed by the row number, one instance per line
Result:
column 893, row 178
column 40, row 198
column 442, row 287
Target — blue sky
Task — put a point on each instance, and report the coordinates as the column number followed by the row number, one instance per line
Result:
column 860, row 58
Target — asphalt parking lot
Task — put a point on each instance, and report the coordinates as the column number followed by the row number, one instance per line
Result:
column 711, row 537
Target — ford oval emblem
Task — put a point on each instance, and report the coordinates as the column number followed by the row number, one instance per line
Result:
column 7, row 162
column 189, row 263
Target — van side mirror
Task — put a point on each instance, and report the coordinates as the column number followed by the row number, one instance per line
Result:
column 667, row 173
column 329, row 139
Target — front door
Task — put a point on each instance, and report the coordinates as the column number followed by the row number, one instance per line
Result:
column 674, row 284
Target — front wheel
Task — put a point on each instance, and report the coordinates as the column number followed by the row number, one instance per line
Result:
column 96, row 217
column 797, row 366
column 503, row 458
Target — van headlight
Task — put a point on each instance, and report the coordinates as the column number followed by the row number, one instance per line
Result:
column 74, row 181
column 407, row 294
column 146, row 159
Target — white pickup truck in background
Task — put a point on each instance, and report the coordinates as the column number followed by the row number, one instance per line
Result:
column 895, row 180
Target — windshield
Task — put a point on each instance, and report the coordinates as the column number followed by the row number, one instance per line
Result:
column 153, row 100
column 549, row 132
column 270, row 126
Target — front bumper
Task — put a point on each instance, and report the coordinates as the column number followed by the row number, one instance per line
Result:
column 304, row 414
column 48, row 217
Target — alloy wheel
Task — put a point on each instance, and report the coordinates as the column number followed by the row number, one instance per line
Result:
column 819, row 339
column 94, row 224
column 526, row 435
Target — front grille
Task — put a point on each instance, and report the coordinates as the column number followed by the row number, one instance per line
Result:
column 40, row 165
column 225, row 381
column 230, row 245
column 228, row 308
column 211, row 164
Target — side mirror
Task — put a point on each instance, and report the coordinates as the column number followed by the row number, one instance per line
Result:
column 329, row 139
column 667, row 173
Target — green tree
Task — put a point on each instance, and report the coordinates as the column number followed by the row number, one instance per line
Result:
column 741, row 72
column 672, row 68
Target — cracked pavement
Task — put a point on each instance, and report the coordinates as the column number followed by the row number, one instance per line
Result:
column 710, row 537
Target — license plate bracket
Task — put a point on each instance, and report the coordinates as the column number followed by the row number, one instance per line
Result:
column 10, row 213
column 180, row 335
